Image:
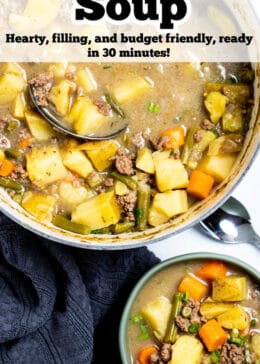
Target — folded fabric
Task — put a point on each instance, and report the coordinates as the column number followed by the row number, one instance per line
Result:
column 60, row 304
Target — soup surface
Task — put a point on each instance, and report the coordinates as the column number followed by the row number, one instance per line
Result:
column 198, row 312
column 185, row 127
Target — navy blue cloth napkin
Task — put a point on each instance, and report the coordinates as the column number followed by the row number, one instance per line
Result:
column 60, row 304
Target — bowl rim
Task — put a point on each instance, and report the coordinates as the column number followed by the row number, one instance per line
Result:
column 159, row 267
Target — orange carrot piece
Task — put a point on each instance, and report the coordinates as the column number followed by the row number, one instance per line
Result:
column 176, row 137
column 6, row 167
column 24, row 143
column 212, row 270
column 195, row 288
column 145, row 354
column 212, row 334
column 200, row 184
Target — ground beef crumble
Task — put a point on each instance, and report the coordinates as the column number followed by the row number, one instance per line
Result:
column 42, row 85
column 159, row 143
column 138, row 140
column 103, row 107
column 182, row 323
column 70, row 76
column 19, row 172
column 198, row 135
column 195, row 318
column 232, row 354
column 124, row 162
column 207, row 125
column 162, row 356
column 109, row 182
column 127, row 203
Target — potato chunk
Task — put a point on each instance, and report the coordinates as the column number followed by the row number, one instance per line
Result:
column 130, row 90
column 156, row 217
column 255, row 344
column 44, row 165
column 39, row 205
column 71, row 196
column 86, row 81
column 10, row 86
column 19, row 106
column 211, row 310
column 166, row 205
column 218, row 166
column 60, row 96
column 144, row 160
column 234, row 318
column 58, row 69
column 100, row 153
column 36, row 15
column 157, row 313
column 229, row 289
column 215, row 103
column 170, row 173
column 98, row 212
column 85, row 116
column 237, row 94
column 186, row 350
column 15, row 69
column 77, row 161
column 39, row 127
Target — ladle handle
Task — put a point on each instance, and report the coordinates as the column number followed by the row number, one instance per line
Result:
column 256, row 240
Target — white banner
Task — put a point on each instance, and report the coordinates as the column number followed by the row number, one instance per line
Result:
column 203, row 30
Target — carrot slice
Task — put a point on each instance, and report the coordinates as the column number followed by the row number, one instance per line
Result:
column 176, row 137
column 212, row 335
column 145, row 354
column 24, row 143
column 200, row 184
column 6, row 168
column 195, row 288
column 212, row 270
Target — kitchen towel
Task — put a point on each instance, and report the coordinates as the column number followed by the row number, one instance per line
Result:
column 62, row 305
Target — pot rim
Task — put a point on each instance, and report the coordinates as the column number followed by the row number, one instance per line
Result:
column 152, row 235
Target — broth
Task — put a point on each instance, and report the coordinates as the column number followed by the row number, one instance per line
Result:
column 165, row 283
column 182, row 118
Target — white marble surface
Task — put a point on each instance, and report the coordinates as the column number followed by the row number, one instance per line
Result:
column 193, row 240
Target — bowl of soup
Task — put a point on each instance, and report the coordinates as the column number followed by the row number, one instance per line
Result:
column 187, row 134
column 195, row 308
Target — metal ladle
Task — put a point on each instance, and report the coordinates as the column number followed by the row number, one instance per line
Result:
column 231, row 224
column 51, row 118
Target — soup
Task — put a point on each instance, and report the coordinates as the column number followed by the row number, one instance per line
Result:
column 196, row 312
column 186, row 124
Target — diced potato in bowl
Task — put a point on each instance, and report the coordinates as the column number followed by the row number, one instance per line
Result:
column 173, row 317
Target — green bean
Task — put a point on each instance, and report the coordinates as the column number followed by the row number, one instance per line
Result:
column 199, row 147
column 186, row 312
column 114, row 106
column 66, row 224
column 94, row 180
column 143, row 205
column 105, row 230
column 189, row 143
column 233, row 121
column 129, row 181
column 172, row 329
column 12, row 153
column 8, row 183
column 123, row 227
column 12, row 125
